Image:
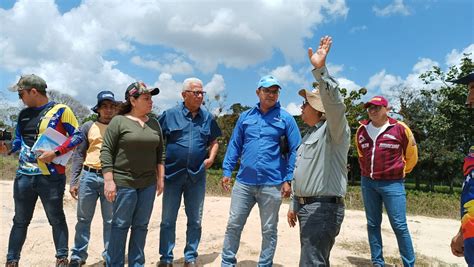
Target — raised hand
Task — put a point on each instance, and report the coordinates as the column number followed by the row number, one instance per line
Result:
column 318, row 59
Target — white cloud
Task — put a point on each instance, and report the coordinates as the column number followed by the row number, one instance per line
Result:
column 176, row 66
column 454, row 57
column 358, row 29
column 286, row 74
column 69, row 50
column 397, row 7
column 348, row 84
column 293, row 108
column 383, row 81
column 215, row 86
column 334, row 69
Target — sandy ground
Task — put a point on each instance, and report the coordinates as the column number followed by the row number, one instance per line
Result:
column 431, row 237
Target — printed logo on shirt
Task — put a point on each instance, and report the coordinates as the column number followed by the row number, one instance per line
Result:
column 365, row 145
column 361, row 139
column 391, row 146
column 389, row 136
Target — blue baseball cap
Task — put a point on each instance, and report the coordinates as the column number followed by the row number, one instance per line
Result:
column 268, row 81
column 102, row 96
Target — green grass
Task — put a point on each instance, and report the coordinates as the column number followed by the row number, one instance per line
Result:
column 432, row 204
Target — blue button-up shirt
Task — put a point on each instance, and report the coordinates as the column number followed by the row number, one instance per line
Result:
column 187, row 140
column 255, row 141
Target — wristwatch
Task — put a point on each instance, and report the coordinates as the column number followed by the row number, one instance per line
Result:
column 57, row 153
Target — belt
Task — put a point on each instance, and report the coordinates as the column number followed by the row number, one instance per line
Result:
column 89, row 169
column 309, row 200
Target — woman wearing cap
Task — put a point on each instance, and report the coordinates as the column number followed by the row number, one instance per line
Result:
column 133, row 170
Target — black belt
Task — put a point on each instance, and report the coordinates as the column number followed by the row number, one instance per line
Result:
column 309, row 200
column 89, row 169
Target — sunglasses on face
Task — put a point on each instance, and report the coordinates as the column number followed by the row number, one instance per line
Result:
column 374, row 108
column 22, row 92
column 305, row 102
column 196, row 93
column 267, row 91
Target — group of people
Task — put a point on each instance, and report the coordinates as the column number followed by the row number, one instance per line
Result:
column 126, row 158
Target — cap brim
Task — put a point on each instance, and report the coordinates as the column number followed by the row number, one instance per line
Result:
column 14, row 88
column 270, row 84
column 154, row 91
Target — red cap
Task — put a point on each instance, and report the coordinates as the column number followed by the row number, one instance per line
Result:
column 377, row 101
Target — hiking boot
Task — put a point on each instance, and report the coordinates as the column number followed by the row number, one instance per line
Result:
column 76, row 263
column 61, row 262
column 11, row 264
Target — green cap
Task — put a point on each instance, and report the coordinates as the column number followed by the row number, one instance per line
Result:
column 29, row 81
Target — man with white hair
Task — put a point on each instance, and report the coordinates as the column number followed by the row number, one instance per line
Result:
column 320, row 176
column 191, row 135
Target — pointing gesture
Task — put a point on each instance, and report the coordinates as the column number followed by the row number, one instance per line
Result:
column 318, row 59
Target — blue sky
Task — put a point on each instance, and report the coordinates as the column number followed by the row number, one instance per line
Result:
column 82, row 47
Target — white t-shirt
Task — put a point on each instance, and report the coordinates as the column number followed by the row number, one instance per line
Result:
column 375, row 131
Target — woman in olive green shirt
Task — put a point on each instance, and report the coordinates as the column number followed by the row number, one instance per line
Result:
column 132, row 165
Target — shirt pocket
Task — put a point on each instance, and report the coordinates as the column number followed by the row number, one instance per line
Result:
column 205, row 135
column 311, row 145
column 177, row 136
column 273, row 130
column 251, row 129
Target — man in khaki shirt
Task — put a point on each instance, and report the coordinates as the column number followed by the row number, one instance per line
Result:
column 320, row 176
column 90, row 186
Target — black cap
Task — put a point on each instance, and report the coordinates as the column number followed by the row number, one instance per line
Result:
column 102, row 96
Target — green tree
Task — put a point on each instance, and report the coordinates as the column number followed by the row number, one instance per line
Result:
column 441, row 124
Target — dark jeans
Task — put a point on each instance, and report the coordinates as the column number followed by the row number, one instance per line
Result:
column 50, row 189
column 319, row 225
column 193, row 193
column 132, row 211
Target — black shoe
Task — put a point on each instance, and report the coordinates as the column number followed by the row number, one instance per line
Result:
column 62, row 262
column 11, row 264
column 164, row 264
column 76, row 263
column 190, row 264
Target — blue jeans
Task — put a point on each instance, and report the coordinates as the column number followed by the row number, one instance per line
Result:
column 50, row 189
column 91, row 188
column 132, row 208
column 392, row 195
column 193, row 193
column 320, row 223
column 243, row 199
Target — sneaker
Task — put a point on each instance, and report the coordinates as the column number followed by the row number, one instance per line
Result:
column 76, row 263
column 62, row 262
column 11, row 264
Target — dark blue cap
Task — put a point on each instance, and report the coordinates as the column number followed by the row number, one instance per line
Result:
column 102, row 96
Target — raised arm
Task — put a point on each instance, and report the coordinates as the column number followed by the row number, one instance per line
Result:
column 329, row 90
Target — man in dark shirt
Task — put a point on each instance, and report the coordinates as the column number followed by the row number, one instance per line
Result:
column 38, row 175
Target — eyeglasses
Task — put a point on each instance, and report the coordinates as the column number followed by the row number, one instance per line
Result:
column 305, row 102
column 22, row 92
column 374, row 108
column 267, row 91
column 196, row 93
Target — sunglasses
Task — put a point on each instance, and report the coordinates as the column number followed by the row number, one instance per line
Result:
column 22, row 92
column 374, row 108
column 267, row 91
column 305, row 102
column 196, row 93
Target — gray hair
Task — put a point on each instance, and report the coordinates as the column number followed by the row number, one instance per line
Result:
column 187, row 83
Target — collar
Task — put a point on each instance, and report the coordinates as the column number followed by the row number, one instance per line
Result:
column 187, row 113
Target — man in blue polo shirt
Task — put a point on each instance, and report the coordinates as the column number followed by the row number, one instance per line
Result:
column 191, row 135
column 265, row 172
